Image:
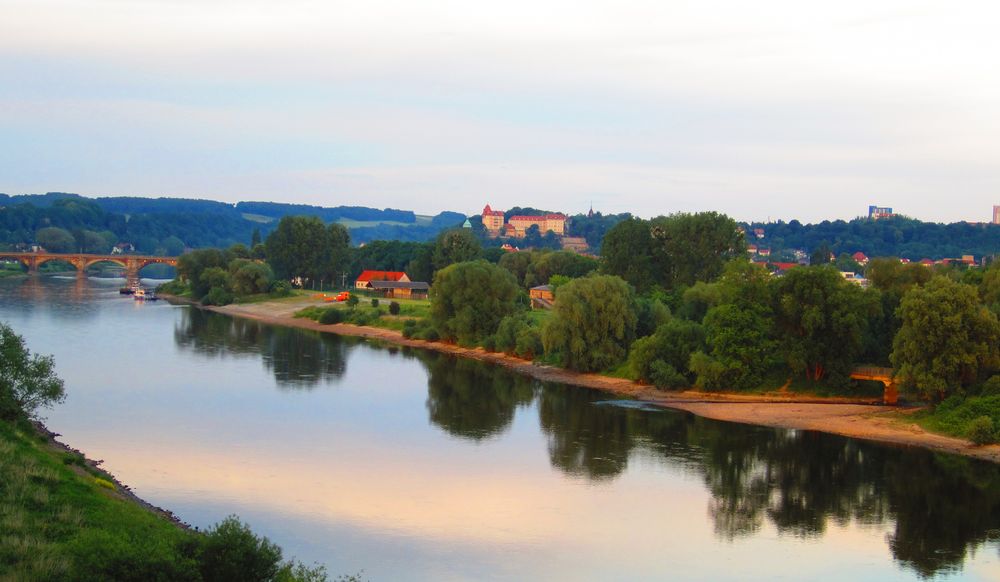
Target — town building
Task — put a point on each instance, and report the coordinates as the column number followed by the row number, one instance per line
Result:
column 860, row 258
column 400, row 289
column 996, row 214
column 577, row 244
column 517, row 226
column 367, row 277
column 542, row 296
column 880, row 212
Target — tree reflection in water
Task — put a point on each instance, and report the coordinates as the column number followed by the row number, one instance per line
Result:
column 298, row 359
column 938, row 508
column 941, row 506
column 470, row 400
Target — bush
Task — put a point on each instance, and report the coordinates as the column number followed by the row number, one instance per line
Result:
column 981, row 431
column 217, row 296
column 665, row 376
column 991, row 387
column 231, row 551
column 489, row 343
column 281, row 289
column 394, row 308
column 529, row 343
column 374, row 302
column 352, row 301
column 331, row 315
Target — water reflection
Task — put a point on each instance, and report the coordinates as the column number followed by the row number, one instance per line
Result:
column 937, row 509
column 470, row 400
column 298, row 359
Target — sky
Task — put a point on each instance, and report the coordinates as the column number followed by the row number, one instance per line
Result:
column 761, row 110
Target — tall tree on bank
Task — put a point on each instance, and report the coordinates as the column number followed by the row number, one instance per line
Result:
column 470, row 299
column 593, row 323
column 627, row 253
column 455, row 246
column 947, row 337
column 302, row 247
column 695, row 247
column 821, row 319
column 671, row 251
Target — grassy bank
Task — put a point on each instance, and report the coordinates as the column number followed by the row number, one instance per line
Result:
column 62, row 518
column 976, row 418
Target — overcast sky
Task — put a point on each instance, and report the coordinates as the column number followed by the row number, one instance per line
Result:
column 767, row 109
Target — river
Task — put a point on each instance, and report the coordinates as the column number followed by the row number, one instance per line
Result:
column 414, row 465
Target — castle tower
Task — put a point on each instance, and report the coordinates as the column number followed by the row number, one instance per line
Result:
column 492, row 220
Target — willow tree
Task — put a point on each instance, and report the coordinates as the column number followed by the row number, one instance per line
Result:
column 469, row 299
column 593, row 323
column 947, row 337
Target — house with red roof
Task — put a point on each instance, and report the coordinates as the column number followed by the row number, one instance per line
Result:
column 367, row 277
column 860, row 258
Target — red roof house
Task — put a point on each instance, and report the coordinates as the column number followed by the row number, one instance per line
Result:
column 368, row 276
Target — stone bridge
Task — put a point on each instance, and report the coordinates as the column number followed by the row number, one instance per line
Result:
column 82, row 261
column 884, row 375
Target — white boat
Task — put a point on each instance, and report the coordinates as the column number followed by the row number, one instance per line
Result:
column 139, row 294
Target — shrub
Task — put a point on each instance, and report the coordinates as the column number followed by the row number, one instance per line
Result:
column 105, row 483
column 281, row 289
column 981, row 431
column 231, row 551
column 991, row 387
column 489, row 343
column 374, row 302
column 331, row 315
column 218, row 296
column 394, row 308
column 529, row 343
column 352, row 301
column 665, row 376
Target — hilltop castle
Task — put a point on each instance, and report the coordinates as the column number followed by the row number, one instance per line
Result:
column 517, row 226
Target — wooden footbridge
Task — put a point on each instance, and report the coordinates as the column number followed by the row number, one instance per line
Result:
column 884, row 375
column 82, row 261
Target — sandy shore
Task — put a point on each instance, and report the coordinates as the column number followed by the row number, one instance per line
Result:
column 857, row 418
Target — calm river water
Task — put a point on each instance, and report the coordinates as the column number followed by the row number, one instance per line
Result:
column 411, row 465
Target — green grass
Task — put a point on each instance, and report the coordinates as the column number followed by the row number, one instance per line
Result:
column 57, row 518
column 954, row 416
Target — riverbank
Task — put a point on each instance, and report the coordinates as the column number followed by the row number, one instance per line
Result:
column 857, row 418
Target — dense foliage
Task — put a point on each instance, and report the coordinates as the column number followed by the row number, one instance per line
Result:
column 470, row 299
column 892, row 237
column 593, row 323
column 28, row 381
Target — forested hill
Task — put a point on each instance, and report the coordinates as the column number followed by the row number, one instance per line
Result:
column 898, row 236
column 69, row 222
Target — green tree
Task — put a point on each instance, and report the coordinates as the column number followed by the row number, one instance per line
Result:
column 822, row 320
column 56, row 240
column 297, row 248
column 627, row 253
column 946, row 339
column 248, row 277
column 255, row 238
column 27, row 382
column 593, row 323
column 455, row 246
column 740, row 349
column 190, row 267
column 338, row 257
column 469, row 299
column 694, row 247
column 662, row 358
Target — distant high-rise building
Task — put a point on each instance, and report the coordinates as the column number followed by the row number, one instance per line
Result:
column 996, row 214
column 877, row 212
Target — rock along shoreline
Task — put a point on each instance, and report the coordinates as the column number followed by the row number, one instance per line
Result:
column 858, row 418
